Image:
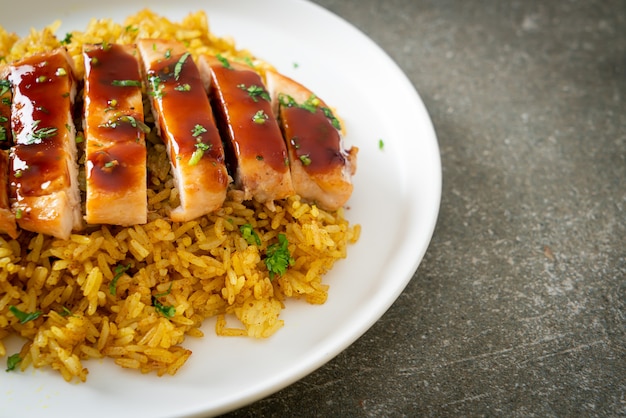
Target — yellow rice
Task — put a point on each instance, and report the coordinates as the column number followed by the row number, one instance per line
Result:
column 203, row 268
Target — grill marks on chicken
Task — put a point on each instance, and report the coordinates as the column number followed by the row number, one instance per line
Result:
column 114, row 129
column 219, row 117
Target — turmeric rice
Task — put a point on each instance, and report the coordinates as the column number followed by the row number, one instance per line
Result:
column 135, row 293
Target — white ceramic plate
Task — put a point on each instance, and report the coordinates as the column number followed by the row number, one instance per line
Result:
column 396, row 200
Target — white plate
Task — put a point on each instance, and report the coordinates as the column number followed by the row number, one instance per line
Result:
column 396, row 200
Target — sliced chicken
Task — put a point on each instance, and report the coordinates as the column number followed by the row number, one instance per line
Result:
column 6, row 138
column 186, row 124
column 43, row 170
column 7, row 217
column 114, row 136
column 255, row 149
column 321, row 170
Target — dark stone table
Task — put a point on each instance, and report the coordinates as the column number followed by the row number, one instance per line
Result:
column 519, row 307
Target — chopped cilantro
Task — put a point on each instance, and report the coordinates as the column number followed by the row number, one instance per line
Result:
column 67, row 39
column 201, row 147
column 260, row 117
column 198, row 130
column 5, row 86
column 224, row 61
column 250, row 235
column 305, row 159
column 40, row 134
column 255, row 92
column 183, row 87
column 119, row 270
column 166, row 311
column 381, row 144
column 126, row 83
column 12, row 361
column 179, row 65
column 278, row 257
column 24, row 317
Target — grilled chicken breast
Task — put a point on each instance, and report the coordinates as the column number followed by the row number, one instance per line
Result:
column 321, row 170
column 255, row 149
column 185, row 121
column 115, row 148
column 43, row 170
column 6, row 137
column 7, row 217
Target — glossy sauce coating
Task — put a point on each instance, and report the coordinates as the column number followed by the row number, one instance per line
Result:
column 41, row 89
column 185, row 121
column 315, row 141
column 6, row 136
column 115, row 137
column 43, row 173
column 257, row 154
column 237, row 107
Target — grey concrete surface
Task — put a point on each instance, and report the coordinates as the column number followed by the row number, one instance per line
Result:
column 519, row 306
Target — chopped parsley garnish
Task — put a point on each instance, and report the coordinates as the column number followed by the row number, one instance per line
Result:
column 119, row 270
column 5, row 86
column 381, row 144
column 115, row 121
column 67, row 39
column 41, row 79
column 24, row 317
column 201, row 147
column 6, row 101
column 65, row 312
column 250, row 235
column 3, row 134
column 311, row 104
column 126, row 83
column 333, row 120
column 156, row 86
column 168, row 53
column 224, row 61
column 260, row 117
column 19, row 213
column 12, row 361
column 255, row 92
column 166, row 311
column 111, row 164
column 278, row 257
column 40, row 134
column 183, row 87
column 305, row 159
column 179, row 65
column 198, row 130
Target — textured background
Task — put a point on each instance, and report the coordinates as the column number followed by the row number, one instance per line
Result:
column 519, row 307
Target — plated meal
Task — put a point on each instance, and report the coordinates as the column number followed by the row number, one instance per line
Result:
column 154, row 176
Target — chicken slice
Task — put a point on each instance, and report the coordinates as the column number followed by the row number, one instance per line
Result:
column 321, row 170
column 6, row 136
column 7, row 217
column 185, row 122
column 43, row 170
column 115, row 144
column 256, row 152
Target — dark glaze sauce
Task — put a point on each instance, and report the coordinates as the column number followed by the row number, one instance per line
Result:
column 116, row 150
column 6, row 137
column 41, row 103
column 235, row 109
column 185, row 110
column 116, row 168
column 313, row 138
column 107, row 65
